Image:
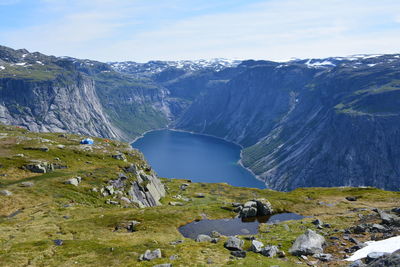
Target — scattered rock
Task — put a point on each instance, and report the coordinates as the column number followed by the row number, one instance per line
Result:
column 256, row 246
column 172, row 203
column 203, row 238
column 317, row 222
column 239, row 253
column 43, row 149
column 375, row 255
column 119, row 156
column 173, row 257
column 60, row 146
column 39, row 167
column 183, row 186
column 357, row 263
column 150, row 255
column 177, row 242
column 308, row 243
column 215, row 234
column 269, row 251
column 5, row 193
column 389, row 219
column 351, row 198
column 111, row 202
column 26, row 184
column 200, row 195
column 323, row 256
column 234, row 243
column 126, row 200
column 387, row 260
column 74, row 181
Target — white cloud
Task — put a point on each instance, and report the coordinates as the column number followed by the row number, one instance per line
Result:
column 275, row 29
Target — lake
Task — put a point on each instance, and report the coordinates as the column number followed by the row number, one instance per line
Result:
column 200, row 158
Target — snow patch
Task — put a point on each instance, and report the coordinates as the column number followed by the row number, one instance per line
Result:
column 371, row 65
column 389, row 245
column 24, row 55
column 317, row 63
column 39, row 62
column 2, row 68
column 21, row 64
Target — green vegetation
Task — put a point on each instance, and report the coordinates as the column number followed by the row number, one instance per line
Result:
column 32, row 72
column 52, row 210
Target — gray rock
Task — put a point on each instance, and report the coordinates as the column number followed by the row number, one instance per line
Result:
column 5, row 193
column 317, row 222
column 388, row 260
column 323, row 256
column 375, row 255
column 248, row 212
column 234, row 243
column 379, row 228
column 39, row 167
column 389, row 219
column 215, row 234
column 111, row 202
column 119, row 156
column 151, row 255
column 173, row 203
column 269, row 251
column 203, row 238
column 26, row 184
column 308, row 243
column 163, row 265
column 264, row 207
column 256, row 246
column 177, row 242
column 74, row 181
column 357, row 263
column 239, row 253
column 351, row 198
column 200, row 195
column 250, row 204
column 126, row 200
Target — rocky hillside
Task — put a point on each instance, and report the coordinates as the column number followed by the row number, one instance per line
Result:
column 63, row 203
column 49, row 94
column 326, row 123
column 314, row 122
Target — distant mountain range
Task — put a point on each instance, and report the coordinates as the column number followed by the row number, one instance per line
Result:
column 312, row 122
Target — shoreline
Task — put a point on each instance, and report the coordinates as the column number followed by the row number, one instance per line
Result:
column 239, row 162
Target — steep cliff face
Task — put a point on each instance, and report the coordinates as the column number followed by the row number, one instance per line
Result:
column 49, row 94
column 310, row 126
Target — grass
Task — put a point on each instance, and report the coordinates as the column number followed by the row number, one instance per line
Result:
column 88, row 230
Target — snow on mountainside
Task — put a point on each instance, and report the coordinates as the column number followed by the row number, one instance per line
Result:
column 154, row 67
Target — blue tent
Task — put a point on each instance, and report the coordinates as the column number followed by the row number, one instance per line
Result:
column 87, row 141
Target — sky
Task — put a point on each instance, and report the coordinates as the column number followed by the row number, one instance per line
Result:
column 143, row 30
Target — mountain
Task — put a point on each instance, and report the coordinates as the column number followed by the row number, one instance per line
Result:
column 310, row 122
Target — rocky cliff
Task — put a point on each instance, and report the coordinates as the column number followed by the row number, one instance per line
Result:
column 49, row 94
column 315, row 122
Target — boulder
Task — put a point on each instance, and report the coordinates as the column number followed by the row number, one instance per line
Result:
column 174, row 203
column 389, row 219
column 215, row 234
column 203, row 238
column 269, row 251
column 26, row 184
column 357, row 263
column 58, row 242
column 256, row 246
column 323, row 256
column 234, row 243
column 119, row 156
column 150, row 255
column 351, row 198
column 39, row 166
column 308, row 243
column 248, row 212
column 74, row 181
column 5, row 193
column 250, row 204
column 200, row 195
column 264, row 207
column 163, row 265
column 387, row 260
column 375, row 255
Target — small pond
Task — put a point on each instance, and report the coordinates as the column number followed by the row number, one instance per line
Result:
column 234, row 226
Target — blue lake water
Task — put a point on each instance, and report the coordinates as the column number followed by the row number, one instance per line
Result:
column 196, row 157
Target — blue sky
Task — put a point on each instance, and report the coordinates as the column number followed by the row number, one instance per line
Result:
column 141, row 30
